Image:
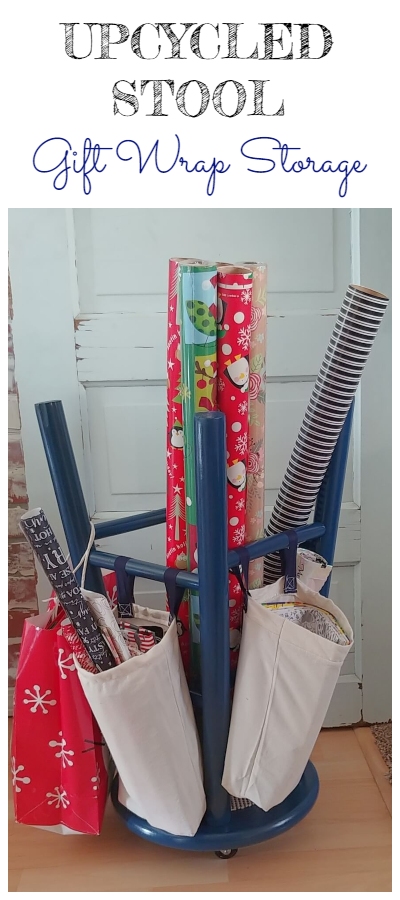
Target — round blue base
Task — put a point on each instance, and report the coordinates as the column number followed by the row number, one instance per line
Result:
column 246, row 826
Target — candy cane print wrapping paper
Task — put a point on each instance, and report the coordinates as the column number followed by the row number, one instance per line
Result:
column 233, row 338
column 176, row 553
column 255, row 501
column 197, row 300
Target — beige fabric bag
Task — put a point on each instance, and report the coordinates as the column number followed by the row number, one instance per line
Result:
column 285, row 680
column 144, row 710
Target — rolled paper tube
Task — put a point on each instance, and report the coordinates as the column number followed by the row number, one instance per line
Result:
column 349, row 347
column 68, row 631
column 139, row 639
column 176, row 550
column 102, row 612
column 44, row 543
column 233, row 345
column 197, row 309
column 255, row 500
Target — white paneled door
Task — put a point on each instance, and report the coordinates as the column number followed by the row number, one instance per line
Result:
column 89, row 289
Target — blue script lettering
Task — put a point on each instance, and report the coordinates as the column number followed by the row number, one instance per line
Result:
column 344, row 167
column 216, row 167
column 57, row 157
column 122, row 150
column 54, row 155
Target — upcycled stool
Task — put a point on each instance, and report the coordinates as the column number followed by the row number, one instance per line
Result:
column 228, row 823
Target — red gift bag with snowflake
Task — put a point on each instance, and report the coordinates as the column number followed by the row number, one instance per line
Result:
column 59, row 758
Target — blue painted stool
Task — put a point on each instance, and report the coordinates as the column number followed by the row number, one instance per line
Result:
column 223, row 829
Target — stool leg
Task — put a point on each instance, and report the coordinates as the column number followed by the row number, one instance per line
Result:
column 329, row 500
column 67, row 486
column 212, row 532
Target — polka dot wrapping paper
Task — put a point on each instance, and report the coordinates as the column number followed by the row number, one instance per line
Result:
column 255, row 501
column 235, row 287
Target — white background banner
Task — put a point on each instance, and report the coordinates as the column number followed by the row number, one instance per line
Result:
column 163, row 104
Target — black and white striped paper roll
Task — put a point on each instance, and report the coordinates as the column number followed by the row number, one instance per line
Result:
column 45, row 545
column 339, row 376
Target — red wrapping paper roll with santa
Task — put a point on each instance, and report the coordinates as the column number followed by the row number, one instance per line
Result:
column 233, row 346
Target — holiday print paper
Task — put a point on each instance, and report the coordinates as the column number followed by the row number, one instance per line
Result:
column 234, row 338
column 44, row 543
column 257, row 385
column 197, row 309
column 176, row 551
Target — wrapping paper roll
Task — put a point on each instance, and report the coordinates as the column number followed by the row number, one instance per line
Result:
column 339, row 376
column 176, row 552
column 255, row 501
column 68, row 631
column 44, row 543
column 234, row 332
column 197, row 309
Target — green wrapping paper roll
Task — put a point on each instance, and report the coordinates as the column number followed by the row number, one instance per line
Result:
column 197, row 300
column 175, row 504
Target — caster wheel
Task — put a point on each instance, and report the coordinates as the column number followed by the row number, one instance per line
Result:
column 225, row 854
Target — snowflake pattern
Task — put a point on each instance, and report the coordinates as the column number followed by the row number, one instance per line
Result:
column 63, row 753
column 241, row 443
column 243, row 408
column 245, row 296
column 38, row 700
column 67, row 663
column 59, row 798
column 236, row 588
column 260, row 338
column 112, row 598
column 185, row 392
column 96, row 778
column 15, row 777
column 244, row 337
column 221, row 384
column 240, row 504
column 238, row 534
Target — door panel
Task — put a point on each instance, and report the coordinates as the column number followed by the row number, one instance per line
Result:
column 122, row 263
column 107, row 270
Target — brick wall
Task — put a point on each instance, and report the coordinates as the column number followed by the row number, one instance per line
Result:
column 22, row 599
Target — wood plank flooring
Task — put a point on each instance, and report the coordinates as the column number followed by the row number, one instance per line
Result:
column 344, row 844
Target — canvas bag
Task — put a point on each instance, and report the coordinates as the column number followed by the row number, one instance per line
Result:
column 59, row 761
column 144, row 709
column 285, row 680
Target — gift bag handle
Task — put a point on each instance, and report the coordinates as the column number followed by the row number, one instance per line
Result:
column 125, row 582
column 125, row 588
column 289, row 563
column 242, row 573
column 289, row 566
column 174, row 592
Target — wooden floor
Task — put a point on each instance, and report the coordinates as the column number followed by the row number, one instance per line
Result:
column 342, row 845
